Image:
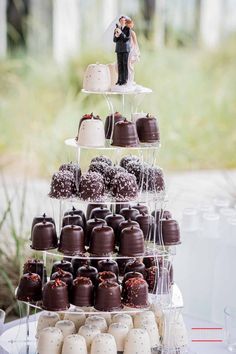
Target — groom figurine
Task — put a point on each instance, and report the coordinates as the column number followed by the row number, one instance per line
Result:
column 122, row 40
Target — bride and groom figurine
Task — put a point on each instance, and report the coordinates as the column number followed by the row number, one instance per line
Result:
column 127, row 51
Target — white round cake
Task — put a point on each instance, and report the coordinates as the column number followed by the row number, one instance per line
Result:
column 97, row 78
column 143, row 316
column 74, row 344
column 137, row 342
column 50, row 341
column 66, row 326
column 119, row 331
column 103, row 343
column 46, row 319
column 91, row 133
column 89, row 332
column 97, row 321
column 123, row 318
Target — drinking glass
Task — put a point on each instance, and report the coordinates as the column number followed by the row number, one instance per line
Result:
column 2, row 320
column 230, row 328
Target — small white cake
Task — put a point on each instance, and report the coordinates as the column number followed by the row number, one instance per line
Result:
column 143, row 316
column 103, row 343
column 89, row 332
column 97, row 78
column 119, row 331
column 67, row 327
column 50, row 341
column 46, row 319
column 97, row 321
column 77, row 316
column 151, row 327
column 74, row 344
column 91, row 132
column 137, row 342
column 123, row 318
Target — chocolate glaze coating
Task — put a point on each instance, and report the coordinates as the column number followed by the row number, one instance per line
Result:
column 135, row 266
column 108, row 296
column 114, row 221
column 91, row 224
column 135, row 293
column 131, row 275
column 72, row 240
column 110, row 121
column 100, row 212
column 82, row 292
column 106, row 276
column 62, row 264
column 72, row 219
column 29, row 288
column 55, row 296
column 152, row 276
column 170, row 232
column 88, row 271
column 124, row 224
column 129, row 213
column 41, row 218
column 78, row 262
column 91, row 186
column 35, row 266
column 145, row 222
column 125, row 134
column 147, row 129
column 120, row 206
column 102, row 241
column 141, row 208
column 92, row 206
column 131, row 242
column 124, row 187
column 66, row 277
column 79, row 212
column 44, row 236
column 108, row 265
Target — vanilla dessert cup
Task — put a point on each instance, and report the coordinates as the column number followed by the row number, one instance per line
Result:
column 67, row 327
column 77, row 317
column 97, row 78
column 151, row 327
column 119, row 331
column 89, row 332
column 97, row 321
column 50, row 341
column 143, row 316
column 46, row 319
column 74, row 344
column 103, row 343
column 137, row 342
column 123, row 318
column 91, row 133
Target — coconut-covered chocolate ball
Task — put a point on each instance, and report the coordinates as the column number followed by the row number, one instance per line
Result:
column 91, row 186
column 110, row 173
column 126, row 159
column 62, row 185
column 103, row 159
column 124, row 187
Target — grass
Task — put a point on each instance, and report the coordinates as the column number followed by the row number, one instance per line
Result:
column 194, row 98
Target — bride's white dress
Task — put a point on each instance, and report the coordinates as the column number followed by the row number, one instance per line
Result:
column 134, row 57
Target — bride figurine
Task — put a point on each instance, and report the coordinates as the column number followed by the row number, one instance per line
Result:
column 134, row 54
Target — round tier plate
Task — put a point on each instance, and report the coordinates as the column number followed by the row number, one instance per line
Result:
column 138, row 91
column 73, row 143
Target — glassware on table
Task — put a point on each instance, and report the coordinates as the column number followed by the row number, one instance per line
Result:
column 210, row 225
column 230, row 328
column 2, row 320
column 190, row 219
column 221, row 203
column 225, row 214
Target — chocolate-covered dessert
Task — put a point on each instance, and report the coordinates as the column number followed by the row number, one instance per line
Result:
column 152, row 275
column 63, row 265
column 126, row 159
column 91, row 186
column 141, row 208
column 108, row 265
column 88, row 271
column 92, row 206
column 110, row 121
column 156, row 181
column 82, row 292
column 156, row 226
column 108, row 296
column 135, row 266
column 106, row 276
column 147, row 129
column 122, row 263
column 41, row 218
column 125, row 134
column 170, row 232
column 129, row 213
column 124, row 187
column 44, row 236
column 63, row 185
column 72, row 219
column 100, row 212
column 74, row 168
column 145, row 222
column 102, row 241
column 98, row 167
column 66, row 277
column 150, row 261
column 141, row 172
column 79, row 212
column 55, row 296
column 114, row 221
column 135, row 293
column 72, row 240
column 102, row 158
column 29, row 288
column 124, row 224
column 35, row 266
column 161, row 214
column 120, row 206
column 110, row 173
column 91, row 224
column 131, row 242
column 131, row 275
column 79, row 262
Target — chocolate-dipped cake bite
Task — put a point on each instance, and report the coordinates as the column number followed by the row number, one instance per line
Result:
column 108, row 265
column 145, row 222
column 124, row 224
column 82, row 292
column 88, row 271
column 106, row 276
column 135, row 266
column 72, row 240
column 147, row 129
column 114, row 221
column 108, row 296
column 72, row 219
column 125, row 134
column 135, row 293
column 79, row 262
column 55, row 296
column 100, row 212
column 63, row 265
column 41, row 218
column 35, row 266
column 91, row 186
column 129, row 213
column 124, row 187
column 92, row 206
column 156, row 181
column 29, row 288
column 79, row 212
column 152, row 275
column 170, row 232
column 63, row 185
column 141, row 208
column 131, row 275
column 131, row 242
column 44, row 236
column 110, row 121
column 91, row 224
column 102, row 241
column 66, row 277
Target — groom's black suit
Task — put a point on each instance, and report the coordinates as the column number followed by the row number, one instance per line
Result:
column 122, row 51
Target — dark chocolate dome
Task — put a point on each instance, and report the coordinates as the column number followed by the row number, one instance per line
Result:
column 72, row 240
column 135, row 266
column 44, row 236
column 129, row 213
column 79, row 212
column 91, row 224
column 100, row 212
column 102, row 241
column 147, row 129
column 106, row 276
column 125, row 134
column 35, row 266
column 88, row 271
column 62, row 264
column 131, row 242
column 108, row 265
column 41, row 218
column 141, row 208
column 135, row 293
column 170, row 232
column 82, row 292
column 55, row 296
column 110, row 122
column 73, row 219
column 66, row 277
column 108, row 296
column 29, row 288
column 145, row 222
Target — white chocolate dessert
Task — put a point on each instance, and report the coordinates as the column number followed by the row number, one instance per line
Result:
column 74, row 344
column 137, row 342
column 77, row 317
column 50, row 341
column 91, row 132
column 97, row 78
column 119, row 331
column 46, row 319
column 66, row 326
column 97, row 321
column 123, row 318
column 89, row 332
column 151, row 327
column 103, row 343
column 143, row 316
